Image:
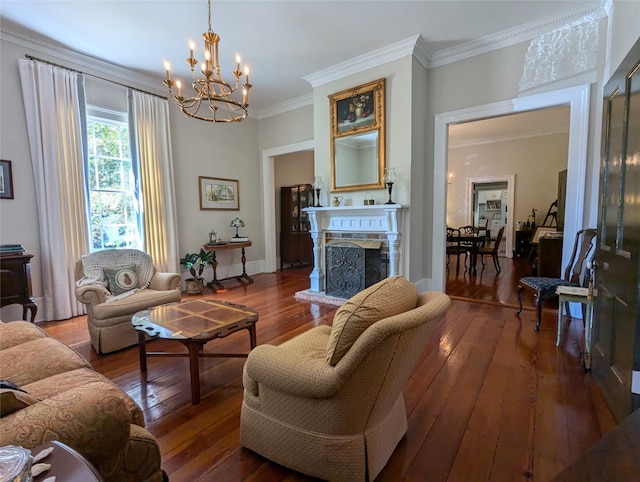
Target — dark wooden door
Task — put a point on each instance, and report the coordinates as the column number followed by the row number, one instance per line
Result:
column 616, row 337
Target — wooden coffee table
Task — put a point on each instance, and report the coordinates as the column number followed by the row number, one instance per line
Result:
column 193, row 323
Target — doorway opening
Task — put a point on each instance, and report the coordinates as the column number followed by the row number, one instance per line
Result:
column 490, row 201
column 577, row 98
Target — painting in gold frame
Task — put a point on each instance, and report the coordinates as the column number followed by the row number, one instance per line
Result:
column 357, row 109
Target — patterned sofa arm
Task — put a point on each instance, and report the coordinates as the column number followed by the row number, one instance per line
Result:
column 165, row 281
column 92, row 419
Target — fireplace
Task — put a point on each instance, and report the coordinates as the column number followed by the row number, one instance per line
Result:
column 379, row 223
column 352, row 266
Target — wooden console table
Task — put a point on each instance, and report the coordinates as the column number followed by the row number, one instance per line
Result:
column 215, row 283
column 15, row 279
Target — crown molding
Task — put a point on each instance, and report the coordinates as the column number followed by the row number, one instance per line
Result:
column 519, row 34
column 417, row 45
column 364, row 62
column 81, row 61
column 285, row 106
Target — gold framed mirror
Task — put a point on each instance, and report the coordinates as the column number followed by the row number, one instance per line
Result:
column 357, row 137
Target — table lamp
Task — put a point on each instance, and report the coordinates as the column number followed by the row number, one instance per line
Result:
column 237, row 223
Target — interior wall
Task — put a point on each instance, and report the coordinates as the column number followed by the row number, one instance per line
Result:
column 489, row 84
column 199, row 149
column 536, row 161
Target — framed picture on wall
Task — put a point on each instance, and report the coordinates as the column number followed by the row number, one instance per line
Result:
column 359, row 109
column 217, row 193
column 6, row 180
column 541, row 231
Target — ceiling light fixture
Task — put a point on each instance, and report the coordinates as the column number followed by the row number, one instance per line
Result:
column 213, row 99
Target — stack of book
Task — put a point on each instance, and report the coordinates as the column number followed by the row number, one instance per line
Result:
column 240, row 239
column 9, row 249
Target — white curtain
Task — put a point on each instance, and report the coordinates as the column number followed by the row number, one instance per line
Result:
column 150, row 118
column 52, row 99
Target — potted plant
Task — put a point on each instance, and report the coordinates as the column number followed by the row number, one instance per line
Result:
column 196, row 263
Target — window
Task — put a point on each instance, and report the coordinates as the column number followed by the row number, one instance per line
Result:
column 113, row 200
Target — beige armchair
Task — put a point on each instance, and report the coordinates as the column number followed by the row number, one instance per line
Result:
column 329, row 402
column 115, row 284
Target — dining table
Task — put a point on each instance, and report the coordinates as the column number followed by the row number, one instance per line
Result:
column 470, row 242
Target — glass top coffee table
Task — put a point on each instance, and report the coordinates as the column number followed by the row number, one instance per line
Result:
column 193, row 323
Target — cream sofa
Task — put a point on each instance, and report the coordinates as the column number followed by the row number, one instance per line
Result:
column 109, row 315
column 64, row 399
column 329, row 403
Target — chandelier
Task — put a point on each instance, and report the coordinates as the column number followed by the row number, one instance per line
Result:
column 211, row 98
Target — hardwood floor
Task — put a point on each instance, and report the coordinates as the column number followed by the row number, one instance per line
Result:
column 490, row 399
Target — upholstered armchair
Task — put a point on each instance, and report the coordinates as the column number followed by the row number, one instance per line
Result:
column 329, row 402
column 115, row 284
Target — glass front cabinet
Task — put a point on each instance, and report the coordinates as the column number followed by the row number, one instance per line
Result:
column 296, row 246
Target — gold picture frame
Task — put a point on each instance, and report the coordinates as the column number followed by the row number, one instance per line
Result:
column 358, row 109
column 357, row 118
column 218, row 193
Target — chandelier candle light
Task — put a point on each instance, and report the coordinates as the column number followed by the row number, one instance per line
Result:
column 213, row 99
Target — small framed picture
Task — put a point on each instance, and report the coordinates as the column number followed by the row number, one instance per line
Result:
column 541, row 231
column 216, row 193
column 6, row 180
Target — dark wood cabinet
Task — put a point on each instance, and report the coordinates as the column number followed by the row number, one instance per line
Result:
column 15, row 282
column 549, row 261
column 296, row 246
column 523, row 246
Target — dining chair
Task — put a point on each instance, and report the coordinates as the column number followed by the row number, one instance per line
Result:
column 492, row 250
column 470, row 246
column 575, row 274
column 453, row 246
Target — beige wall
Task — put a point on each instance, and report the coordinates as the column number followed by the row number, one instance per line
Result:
column 199, row 149
column 535, row 161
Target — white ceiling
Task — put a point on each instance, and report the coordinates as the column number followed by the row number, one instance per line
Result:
column 282, row 41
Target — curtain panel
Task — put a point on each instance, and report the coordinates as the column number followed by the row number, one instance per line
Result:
column 53, row 99
column 150, row 124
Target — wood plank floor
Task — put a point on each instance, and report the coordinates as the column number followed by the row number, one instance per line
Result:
column 490, row 399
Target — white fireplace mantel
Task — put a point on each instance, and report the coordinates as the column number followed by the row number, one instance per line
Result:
column 383, row 219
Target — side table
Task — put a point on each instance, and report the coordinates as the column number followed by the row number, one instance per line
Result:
column 15, row 279
column 66, row 464
column 577, row 295
column 215, row 283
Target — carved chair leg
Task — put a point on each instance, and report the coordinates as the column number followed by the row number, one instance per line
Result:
column 539, row 302
column 496, row 263
column 519, row 294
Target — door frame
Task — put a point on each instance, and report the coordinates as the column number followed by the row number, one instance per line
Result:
column 578, row 100
column 510, row 179
column 267, row 169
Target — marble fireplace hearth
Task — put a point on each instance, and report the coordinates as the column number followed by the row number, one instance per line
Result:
column 376, row 223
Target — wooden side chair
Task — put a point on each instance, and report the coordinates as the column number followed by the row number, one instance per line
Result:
column 492, row 250
column 574, row 274
column 453, row 246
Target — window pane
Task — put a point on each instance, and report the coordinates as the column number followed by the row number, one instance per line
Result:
column 109, row 174
column 113, row 205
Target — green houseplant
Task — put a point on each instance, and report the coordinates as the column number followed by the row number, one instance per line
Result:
column 196, row 263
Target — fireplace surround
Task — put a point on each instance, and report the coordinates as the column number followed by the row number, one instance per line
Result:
column 376, row 223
